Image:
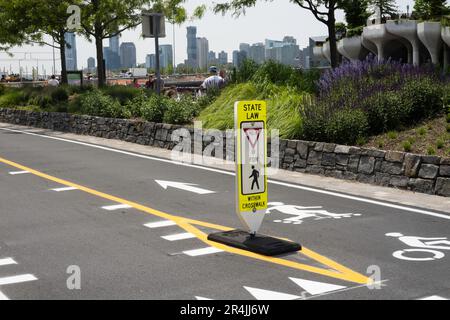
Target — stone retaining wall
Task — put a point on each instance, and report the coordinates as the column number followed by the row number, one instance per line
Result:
column 425, row 174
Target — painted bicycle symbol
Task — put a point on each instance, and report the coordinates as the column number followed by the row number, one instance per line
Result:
column 431, row 247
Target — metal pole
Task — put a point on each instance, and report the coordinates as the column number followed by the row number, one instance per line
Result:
column 156, row 21
column 54, row 59
column 173, row 58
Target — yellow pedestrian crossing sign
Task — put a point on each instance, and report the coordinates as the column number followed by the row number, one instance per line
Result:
column 251, row 159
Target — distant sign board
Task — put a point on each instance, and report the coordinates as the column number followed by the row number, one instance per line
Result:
column 151, row 22
column 251, row 159
column 75, row 78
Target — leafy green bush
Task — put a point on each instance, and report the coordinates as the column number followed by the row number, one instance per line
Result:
column 421, row 98
column 246, row 71
column 385, row 111
column 347, row 126
column 181, row 112
column 12, row 98
column 154, row 108
column 122, row 93
column 96, row 103
column 59, row 95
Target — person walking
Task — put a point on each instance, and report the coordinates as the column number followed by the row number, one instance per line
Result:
column 214, row 81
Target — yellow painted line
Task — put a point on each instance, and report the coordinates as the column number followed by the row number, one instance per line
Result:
column 338, row 272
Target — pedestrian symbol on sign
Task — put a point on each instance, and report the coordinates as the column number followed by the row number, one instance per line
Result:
column 255, row 176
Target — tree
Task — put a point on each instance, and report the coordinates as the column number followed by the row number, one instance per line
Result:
column 356, row 12
column 103, row 19
column 23, row 24
column 323, row 10
column 384, row 7
column 430, row 9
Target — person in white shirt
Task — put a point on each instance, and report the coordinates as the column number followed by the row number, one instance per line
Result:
column 53, row 82
column 214, row 81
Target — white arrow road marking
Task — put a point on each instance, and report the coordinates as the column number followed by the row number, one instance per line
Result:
column 202, row 251
column 261, row 294
column 3, row 297
column 15, row 173
column 433, row 298
column 203, row 298
column 315, row 287
column 7, row 261
column 183, row 186
column 64, row 189
column 179, row 236
column 117, row 207
column 160, row 224
column 17, row 279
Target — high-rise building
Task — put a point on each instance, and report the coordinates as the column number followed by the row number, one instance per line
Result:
column 192, row 47
column 202, row 53
column 258, row 53
column 223, row 58
column 91, row 64
column 128, row 55
column 112, row 59
column 114, row 44
column 238, row 58
column 285, row 52
column 71, row 51
column 212, row 58
column 150, row 61
column 245, row 47
column 165, row 56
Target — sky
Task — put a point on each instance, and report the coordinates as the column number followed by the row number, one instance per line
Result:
column 268, row 20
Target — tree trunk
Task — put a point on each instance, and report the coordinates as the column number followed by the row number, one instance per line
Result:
column 62, row 51
column 101, row 72
column 332, row 39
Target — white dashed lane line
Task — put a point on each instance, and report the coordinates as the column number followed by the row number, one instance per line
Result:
column 160, row 224
column 16, row 173
column 202, row 251
column 7, row 262
column 117, row 207
column 17, row 279
column 179, row 236
column 64, row 189
column 3, row 297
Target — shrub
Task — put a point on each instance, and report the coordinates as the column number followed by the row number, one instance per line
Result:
column 246, row 71
column 154, row 108
column 122, row 93
column 12, row 98
column 385, row 112
column 59, row 95
column 137, row 105
column 96, row 103
column 421, row 98
column 180, row 112
column 440, row 144
column 431, row 151
column 347, row 126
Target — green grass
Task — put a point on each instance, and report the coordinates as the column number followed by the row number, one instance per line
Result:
column 283, row 108
column 407, row 146
column 392, row 135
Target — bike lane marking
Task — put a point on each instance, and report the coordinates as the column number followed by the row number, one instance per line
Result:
column 271, row 181
column 338, row 271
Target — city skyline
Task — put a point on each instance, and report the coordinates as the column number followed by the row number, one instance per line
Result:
column 288, row 17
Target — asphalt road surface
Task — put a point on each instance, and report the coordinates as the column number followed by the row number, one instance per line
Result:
column 71, row 211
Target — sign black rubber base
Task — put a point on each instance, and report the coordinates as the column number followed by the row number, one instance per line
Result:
column 260, row 244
